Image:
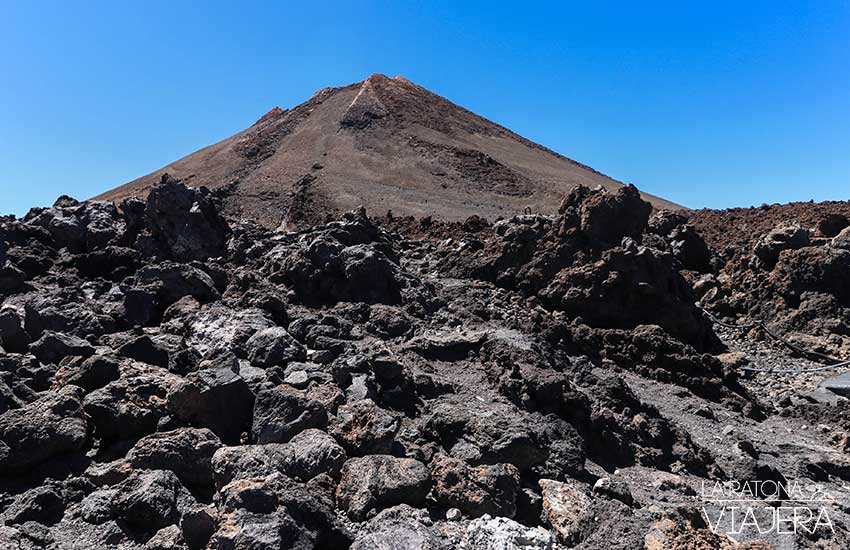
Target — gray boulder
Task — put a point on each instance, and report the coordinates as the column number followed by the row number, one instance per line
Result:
column 767, row 248
column 842, row 240
column 273, row 346
column 309, row 454
column 488, row 533
column 283, row 411
column 379, row 481
column 150, row 500
column 186, row 220
column 47, row 428
column 363, row 428
column 132, row 405
column 52, row 347
column 218, row 399
column 187, row 452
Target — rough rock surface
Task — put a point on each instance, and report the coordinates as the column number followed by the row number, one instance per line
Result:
column 173, row 379
column 378, row 481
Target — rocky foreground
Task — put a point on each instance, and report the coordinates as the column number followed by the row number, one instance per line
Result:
column 170, row 379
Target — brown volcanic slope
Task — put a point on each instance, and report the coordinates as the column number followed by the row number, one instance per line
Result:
column 387, row 144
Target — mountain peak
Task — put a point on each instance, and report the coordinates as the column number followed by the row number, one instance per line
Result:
column 385, row 143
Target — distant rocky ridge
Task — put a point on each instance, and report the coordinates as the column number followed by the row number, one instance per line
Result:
column 383, row 143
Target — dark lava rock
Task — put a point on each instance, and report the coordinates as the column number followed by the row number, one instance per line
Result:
column 487, row 432
column 255, row 512
column 283, row 411
column 186, row 220
column 309, row 454
column 132, row 405
column 273, row 346
column 402, row 528
column 44, row 505
column 315, row 453
column 629, row 287
column 170, row 281
column 150, row 500
column 412, row 374
column 842, row 240
column 486, row 489
column 832, row 224
column 185, row 451
column 52, row 426
column 11, row 278
column 52, row 347
column 767, row 249
column 202, row 396
column 363, row 428
column 605, row 218
column 92, row 374
column 13, row 337
column 380, row 481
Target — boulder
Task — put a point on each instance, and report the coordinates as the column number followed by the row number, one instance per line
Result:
column 380, row 481
column 487, row 489
column 663, row 222
column 314, row 453
column 364, row 428
column 92, row 374
column 614, row 488
column 388, row 321
column 488, row 533
column 13, row 337
column 201, row 397
column 66, row 228
column 250, row 461
column 326, row 271
column 52, row 347
column 309, row 454
column 401, row 528
column 11, row 278
column 167, row 538
column 218, row 328
column 246, row 530
column 111, row 262
column 132, row 405
column 150, row 500
column 812, row 269
column 842, row 239
column 486, row 432
column 629, row 287
column 282, row 412
column 186, row 220
column 689, row 248
column 832, row 224
column 605, row 217
column 567, row 508
column 52, row 426
column 280, row 501
column 769, row 246
column 273, row 346
column 197, row 526
column 151, row 350
column 187, row 452
column 170, row 281
column 44, row 505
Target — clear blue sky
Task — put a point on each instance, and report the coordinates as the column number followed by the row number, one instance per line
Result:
column 717, row 104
